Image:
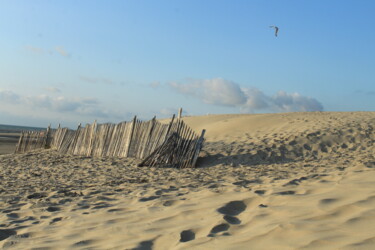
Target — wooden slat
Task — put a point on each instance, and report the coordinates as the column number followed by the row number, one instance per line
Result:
column 173, row 144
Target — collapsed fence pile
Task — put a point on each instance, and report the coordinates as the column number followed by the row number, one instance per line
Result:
column 157, row 144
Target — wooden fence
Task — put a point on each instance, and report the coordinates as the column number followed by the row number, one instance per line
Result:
column 157, row 144
column 31, row 140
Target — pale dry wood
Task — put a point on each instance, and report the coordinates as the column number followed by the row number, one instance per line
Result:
column 173, row 144
column 179, row 113
column 198, row 147
column 129, row 142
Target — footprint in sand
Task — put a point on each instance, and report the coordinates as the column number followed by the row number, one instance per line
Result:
column 148, row 198
column 5, row 233
column 101, row 205
column 244, row 183
column 295, row 181
column 159, row 192
column 230, row 210
column 145, row 245
column 54, row 220
column 260, row 192
column 233, row 208
column 217, row 229
column 83, row 243
column 169, row 203
column 28, row 218
column 187, row 235
column 328, row 202
column 53, row 209
column 13, row 215
column 289, row 192
column 113, row 210
column 36, row 196
column 232, row 220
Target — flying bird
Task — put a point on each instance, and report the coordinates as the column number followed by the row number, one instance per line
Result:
column 276, row 29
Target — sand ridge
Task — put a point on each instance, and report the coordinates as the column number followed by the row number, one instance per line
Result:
column 291, row 181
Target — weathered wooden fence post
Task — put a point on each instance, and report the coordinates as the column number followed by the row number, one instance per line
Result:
column 20, row 140
column 45, row 143
column 91, row 140
column 198, row 148
column 72, row 145
column 131, row 134
column 173, row 144
column 179, row 113
column 169, row 127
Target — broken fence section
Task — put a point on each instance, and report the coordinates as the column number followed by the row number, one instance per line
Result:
column 177, row 151
column 157, row 144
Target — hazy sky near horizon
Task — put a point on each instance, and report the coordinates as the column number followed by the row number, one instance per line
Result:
column 76, row 61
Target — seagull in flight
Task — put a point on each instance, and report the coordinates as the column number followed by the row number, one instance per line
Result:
column 276, row 29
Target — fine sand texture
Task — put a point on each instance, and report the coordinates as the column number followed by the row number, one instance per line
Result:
column 264, row 181
column 8, row 142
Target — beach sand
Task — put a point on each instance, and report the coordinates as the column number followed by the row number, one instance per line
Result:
column 264, row 181
column 8, row 142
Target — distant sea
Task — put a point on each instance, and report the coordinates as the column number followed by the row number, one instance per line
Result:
column 16, row 129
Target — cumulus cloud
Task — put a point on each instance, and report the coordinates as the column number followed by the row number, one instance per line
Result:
column 255, row 100
column 213, row 91
column 295, row 102
column 61, row 104
column 222, row 92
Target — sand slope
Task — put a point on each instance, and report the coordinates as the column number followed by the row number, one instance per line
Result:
column 269, row 181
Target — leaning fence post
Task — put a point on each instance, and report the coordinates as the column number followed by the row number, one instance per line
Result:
column 198, row 148
column 91, row 141
column 169, row 127
column 179, row 113
column 18, row 146
column 131, row 134
column 73, row 144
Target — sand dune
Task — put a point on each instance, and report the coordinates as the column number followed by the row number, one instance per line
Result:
column 267, row 181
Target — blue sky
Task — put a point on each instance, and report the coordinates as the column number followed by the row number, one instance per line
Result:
column 76, row 61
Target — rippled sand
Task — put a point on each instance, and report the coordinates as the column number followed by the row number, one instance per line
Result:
column 268, row 181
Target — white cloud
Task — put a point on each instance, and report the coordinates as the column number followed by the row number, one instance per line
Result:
column 37, row 101
column 213, row 91
column 9, row 97
column 222, row 92
column 256, row 100
column 53, row 89
column 61, row 50
column 295, row 102
column 61, row 104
